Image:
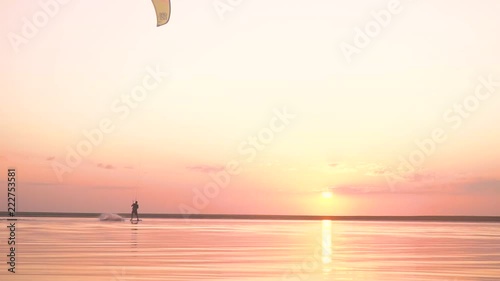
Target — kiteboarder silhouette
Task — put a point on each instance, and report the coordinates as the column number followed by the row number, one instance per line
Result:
column 134, row 206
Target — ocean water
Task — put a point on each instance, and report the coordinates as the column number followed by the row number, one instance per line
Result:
column 165, row 249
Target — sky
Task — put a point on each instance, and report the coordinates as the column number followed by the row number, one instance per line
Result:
column 252, row 107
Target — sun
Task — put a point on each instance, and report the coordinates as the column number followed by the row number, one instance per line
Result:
column 326, row 194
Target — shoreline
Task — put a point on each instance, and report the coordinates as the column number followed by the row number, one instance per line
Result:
column 269, row 217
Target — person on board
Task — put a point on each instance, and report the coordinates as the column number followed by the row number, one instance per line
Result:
column 134, row 206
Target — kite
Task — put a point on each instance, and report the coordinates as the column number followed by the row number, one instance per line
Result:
column 162, row 8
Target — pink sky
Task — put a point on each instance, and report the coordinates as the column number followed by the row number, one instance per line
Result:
column 261, row 95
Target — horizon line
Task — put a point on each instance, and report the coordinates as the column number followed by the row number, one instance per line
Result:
column 435, row 218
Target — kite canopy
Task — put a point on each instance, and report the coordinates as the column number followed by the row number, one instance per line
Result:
column 162, row 8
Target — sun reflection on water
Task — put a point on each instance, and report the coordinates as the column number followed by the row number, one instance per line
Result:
column 326, row 245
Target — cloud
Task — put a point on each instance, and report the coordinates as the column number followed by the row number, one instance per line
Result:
column 42, row 184
column 205, row 168
column 373, row 169
column 482, row 186
column 421, row 177
column 50, row 158
column 341, row 168
column 385, row 189
column 377, row 172
column 359, row 189
column 368, row 169
column 107, row 166
column 426, row 183
column 111, row 187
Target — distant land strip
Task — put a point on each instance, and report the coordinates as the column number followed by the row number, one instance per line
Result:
column 269, row 217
